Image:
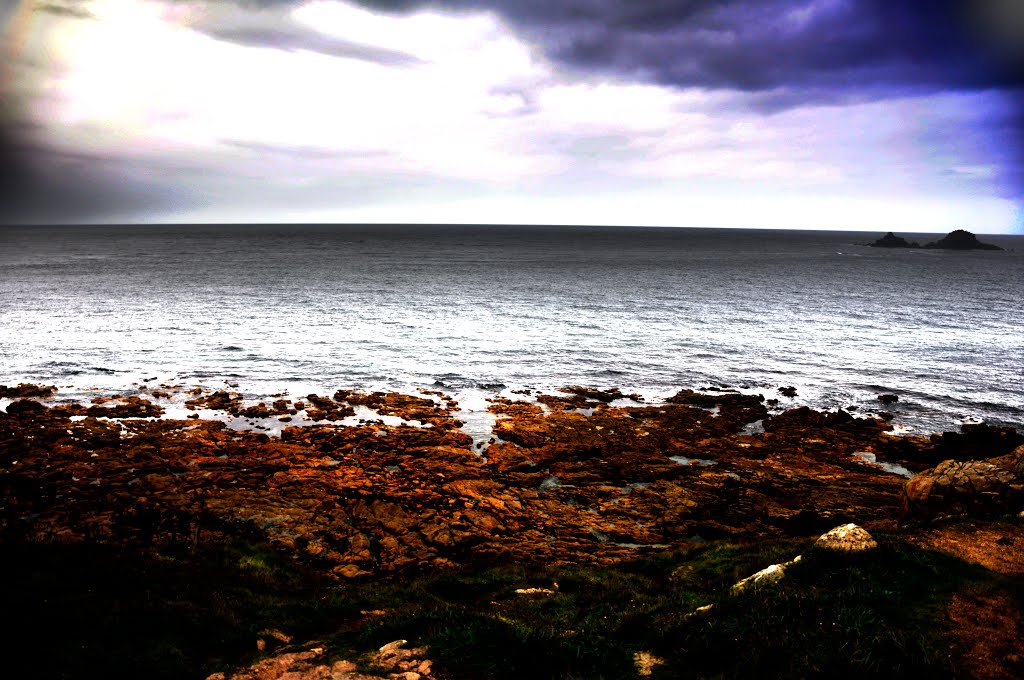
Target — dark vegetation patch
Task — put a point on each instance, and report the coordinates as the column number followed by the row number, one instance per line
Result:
column 94, row 611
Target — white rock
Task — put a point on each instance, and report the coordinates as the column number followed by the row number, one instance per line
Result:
column 848, row 537
column 766, row 576
column 772, row 574
column 700, row 610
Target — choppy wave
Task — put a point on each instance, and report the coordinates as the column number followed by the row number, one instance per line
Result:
column 472, row 309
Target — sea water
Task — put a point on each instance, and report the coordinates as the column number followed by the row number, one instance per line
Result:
column 477, row 311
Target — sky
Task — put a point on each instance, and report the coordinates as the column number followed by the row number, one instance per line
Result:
column 868, row 115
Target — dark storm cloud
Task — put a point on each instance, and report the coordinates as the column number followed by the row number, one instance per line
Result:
column 788, row 52
column 814, row 47
column 819, row 46
column 302, row 39
column 785, row 53
column 15, row 179
column 41, row 184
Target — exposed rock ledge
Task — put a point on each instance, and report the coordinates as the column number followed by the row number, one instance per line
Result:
column 337, row 502
column 559, row 487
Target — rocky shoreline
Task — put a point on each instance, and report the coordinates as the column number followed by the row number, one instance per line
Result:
column 582, row 477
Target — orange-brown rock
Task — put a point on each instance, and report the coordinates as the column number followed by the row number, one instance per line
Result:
column 559, row 486
column 324, row 408
column 405, row 406
column 26, row 391
column 127, row 407
column 220, row 400
column 507, row 407
column 313, row 663
column 973, row 487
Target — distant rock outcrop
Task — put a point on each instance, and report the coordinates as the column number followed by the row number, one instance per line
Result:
column 954, row 240
column 891, row 240
column 961, row 240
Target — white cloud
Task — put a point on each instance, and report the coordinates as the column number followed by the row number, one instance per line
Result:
column 479, row 108
column 137, row 82
column 430, row 36
column 691, row 209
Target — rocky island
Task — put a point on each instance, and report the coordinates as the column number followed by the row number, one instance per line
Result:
column 593, row 535
column 891, row 240
column 954, row 240
column 961, row 240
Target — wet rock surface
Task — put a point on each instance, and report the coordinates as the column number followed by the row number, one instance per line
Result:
column 392, row 660
column 25, row 391
column 571, row 479
column 398, row 498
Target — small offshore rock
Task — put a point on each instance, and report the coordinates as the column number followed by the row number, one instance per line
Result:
column 888, row 398
column 849, row 538
column 891, row 240
column 961, row 239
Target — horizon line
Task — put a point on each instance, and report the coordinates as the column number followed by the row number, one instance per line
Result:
column 144, row 224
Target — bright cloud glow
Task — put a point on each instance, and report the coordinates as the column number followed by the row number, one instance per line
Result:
column 686, row 210
column 477, row 107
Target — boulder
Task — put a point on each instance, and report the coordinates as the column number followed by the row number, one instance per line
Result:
column 25, row 406
column 973, row 487
column 846, row 538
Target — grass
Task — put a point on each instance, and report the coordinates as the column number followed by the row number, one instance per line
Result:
column 83, row 611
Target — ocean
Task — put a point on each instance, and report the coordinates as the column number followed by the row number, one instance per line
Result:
column 478, row 311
